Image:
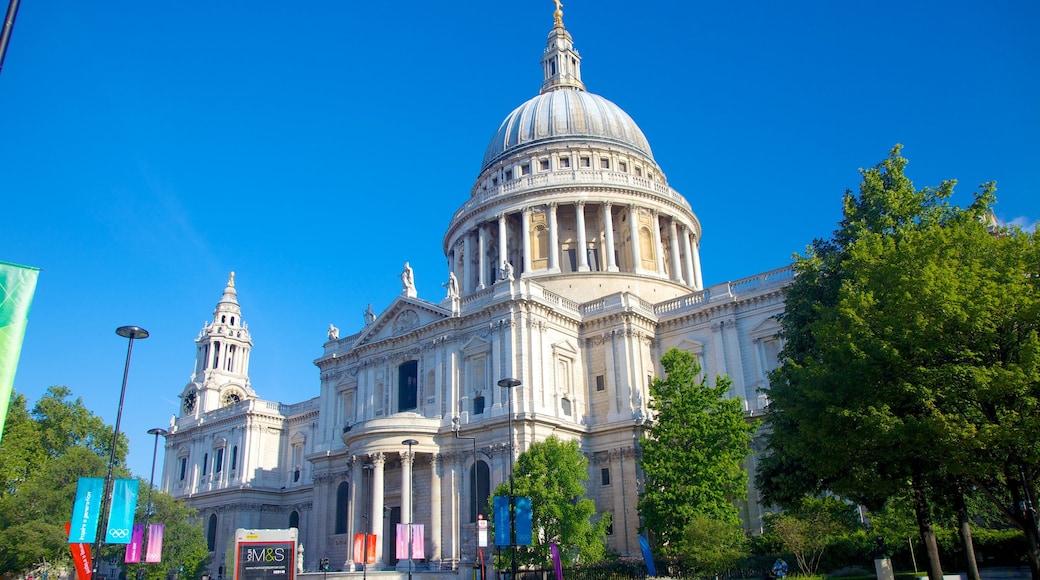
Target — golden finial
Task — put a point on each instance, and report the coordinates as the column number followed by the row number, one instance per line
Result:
column 231, row 280
column 558, row 14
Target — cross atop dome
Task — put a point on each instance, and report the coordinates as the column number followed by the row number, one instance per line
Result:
column 561, row 64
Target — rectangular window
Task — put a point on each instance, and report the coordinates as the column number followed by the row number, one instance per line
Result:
column 544, row 164
column 601, row 383
column 184, row 467
column 604, row 476
column 218, row 461
column 205, row 464
column 622, row 167
column 639, row 171
column 478, row 405
column 565, row 162
column 604, row 163
column 525, row 169
column 234, row 458
column 509, row 175
column 586, row 162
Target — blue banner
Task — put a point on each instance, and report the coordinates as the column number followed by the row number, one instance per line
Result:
column 121, row 516
column 86, row 510
column 524, row 537
column 501, row 520
column 648, row 557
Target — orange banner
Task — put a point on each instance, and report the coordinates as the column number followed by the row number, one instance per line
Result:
column 80, row 557
column 369, row 549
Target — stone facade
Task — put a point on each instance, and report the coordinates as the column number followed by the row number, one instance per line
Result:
column 573, row 266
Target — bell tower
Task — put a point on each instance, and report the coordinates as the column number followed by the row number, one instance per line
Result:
column 221, row 375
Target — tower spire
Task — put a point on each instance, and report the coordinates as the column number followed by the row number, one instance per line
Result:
column 561, row 64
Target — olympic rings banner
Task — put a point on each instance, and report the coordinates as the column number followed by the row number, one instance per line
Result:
column 121, row 516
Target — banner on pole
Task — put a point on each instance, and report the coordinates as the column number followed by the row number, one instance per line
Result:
column 501, row 520
column 364, row 549
column 418, row 545
column 121, row 515
column 524, row 532
column 17, row 286
column 80, row 558
column 86, row 510
column 153, row 551
column 133, row 549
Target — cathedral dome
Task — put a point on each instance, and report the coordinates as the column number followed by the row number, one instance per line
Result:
column 565, row 113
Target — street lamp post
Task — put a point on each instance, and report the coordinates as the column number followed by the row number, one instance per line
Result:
column 456, row 427
column 411, row 499
column 130, row 333
column 509, row 383
column 368, row 519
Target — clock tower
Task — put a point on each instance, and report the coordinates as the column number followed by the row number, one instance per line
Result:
column 221, row 375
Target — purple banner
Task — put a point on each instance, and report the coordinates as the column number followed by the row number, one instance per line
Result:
column 133, row 549
column 153, row 553
column 557, row 564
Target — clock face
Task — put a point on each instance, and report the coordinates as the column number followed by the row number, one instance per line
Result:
column 189, row 402
column 231, row 399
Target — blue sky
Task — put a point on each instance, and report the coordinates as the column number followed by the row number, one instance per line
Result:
column 147, row 149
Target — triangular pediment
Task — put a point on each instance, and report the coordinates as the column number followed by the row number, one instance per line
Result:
column 476, row 345
column 766, row 328
column 564, row 347
column 404, row 315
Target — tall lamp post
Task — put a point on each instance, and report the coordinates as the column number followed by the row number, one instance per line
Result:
column 411, row 498
column 150, row 511
column 456, row 427
column 368, row 520
column 131, row 333
column 509, row 383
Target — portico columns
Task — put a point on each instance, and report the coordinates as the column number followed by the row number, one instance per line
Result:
column 436, row 533
column 583, row 246
column 376, row 516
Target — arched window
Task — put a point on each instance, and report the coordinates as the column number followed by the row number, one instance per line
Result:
column 479, row 480
column 294, row 519
column 342, row 507
column 211, row 533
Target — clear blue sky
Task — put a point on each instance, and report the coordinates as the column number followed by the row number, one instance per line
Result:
column 149, row 148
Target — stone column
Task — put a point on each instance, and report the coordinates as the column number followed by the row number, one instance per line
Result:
column 467, row 264
column 583, row 246
column 659, row 246
column 698, row 282
column 503, row 240
column 608, row 236
column 673, row 238
column 687, row 259
column 356, row 523
column 525, row 232
column 376, row 517
column 481, row 257
column 554, row 240
column 633, row 228
column 436, row 533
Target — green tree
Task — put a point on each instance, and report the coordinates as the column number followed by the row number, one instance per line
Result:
column 45, row 452
column 693, row 453
column 910, row 361
column 809, row 529
column 553, row 474
column 712, row 545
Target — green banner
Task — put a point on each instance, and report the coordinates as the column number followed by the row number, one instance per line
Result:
column 17, row 285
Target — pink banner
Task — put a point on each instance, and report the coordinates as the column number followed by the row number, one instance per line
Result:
column 133, row 549
column 418, row 545
column 153, row 553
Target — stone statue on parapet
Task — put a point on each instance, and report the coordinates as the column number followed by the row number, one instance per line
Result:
column 408, row 281
column 452, row 285
column 333, row 332
column 506, row 272
column 370, row 316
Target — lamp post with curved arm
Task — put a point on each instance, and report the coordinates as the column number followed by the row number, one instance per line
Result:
column 131, row 333
column 456, row 427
